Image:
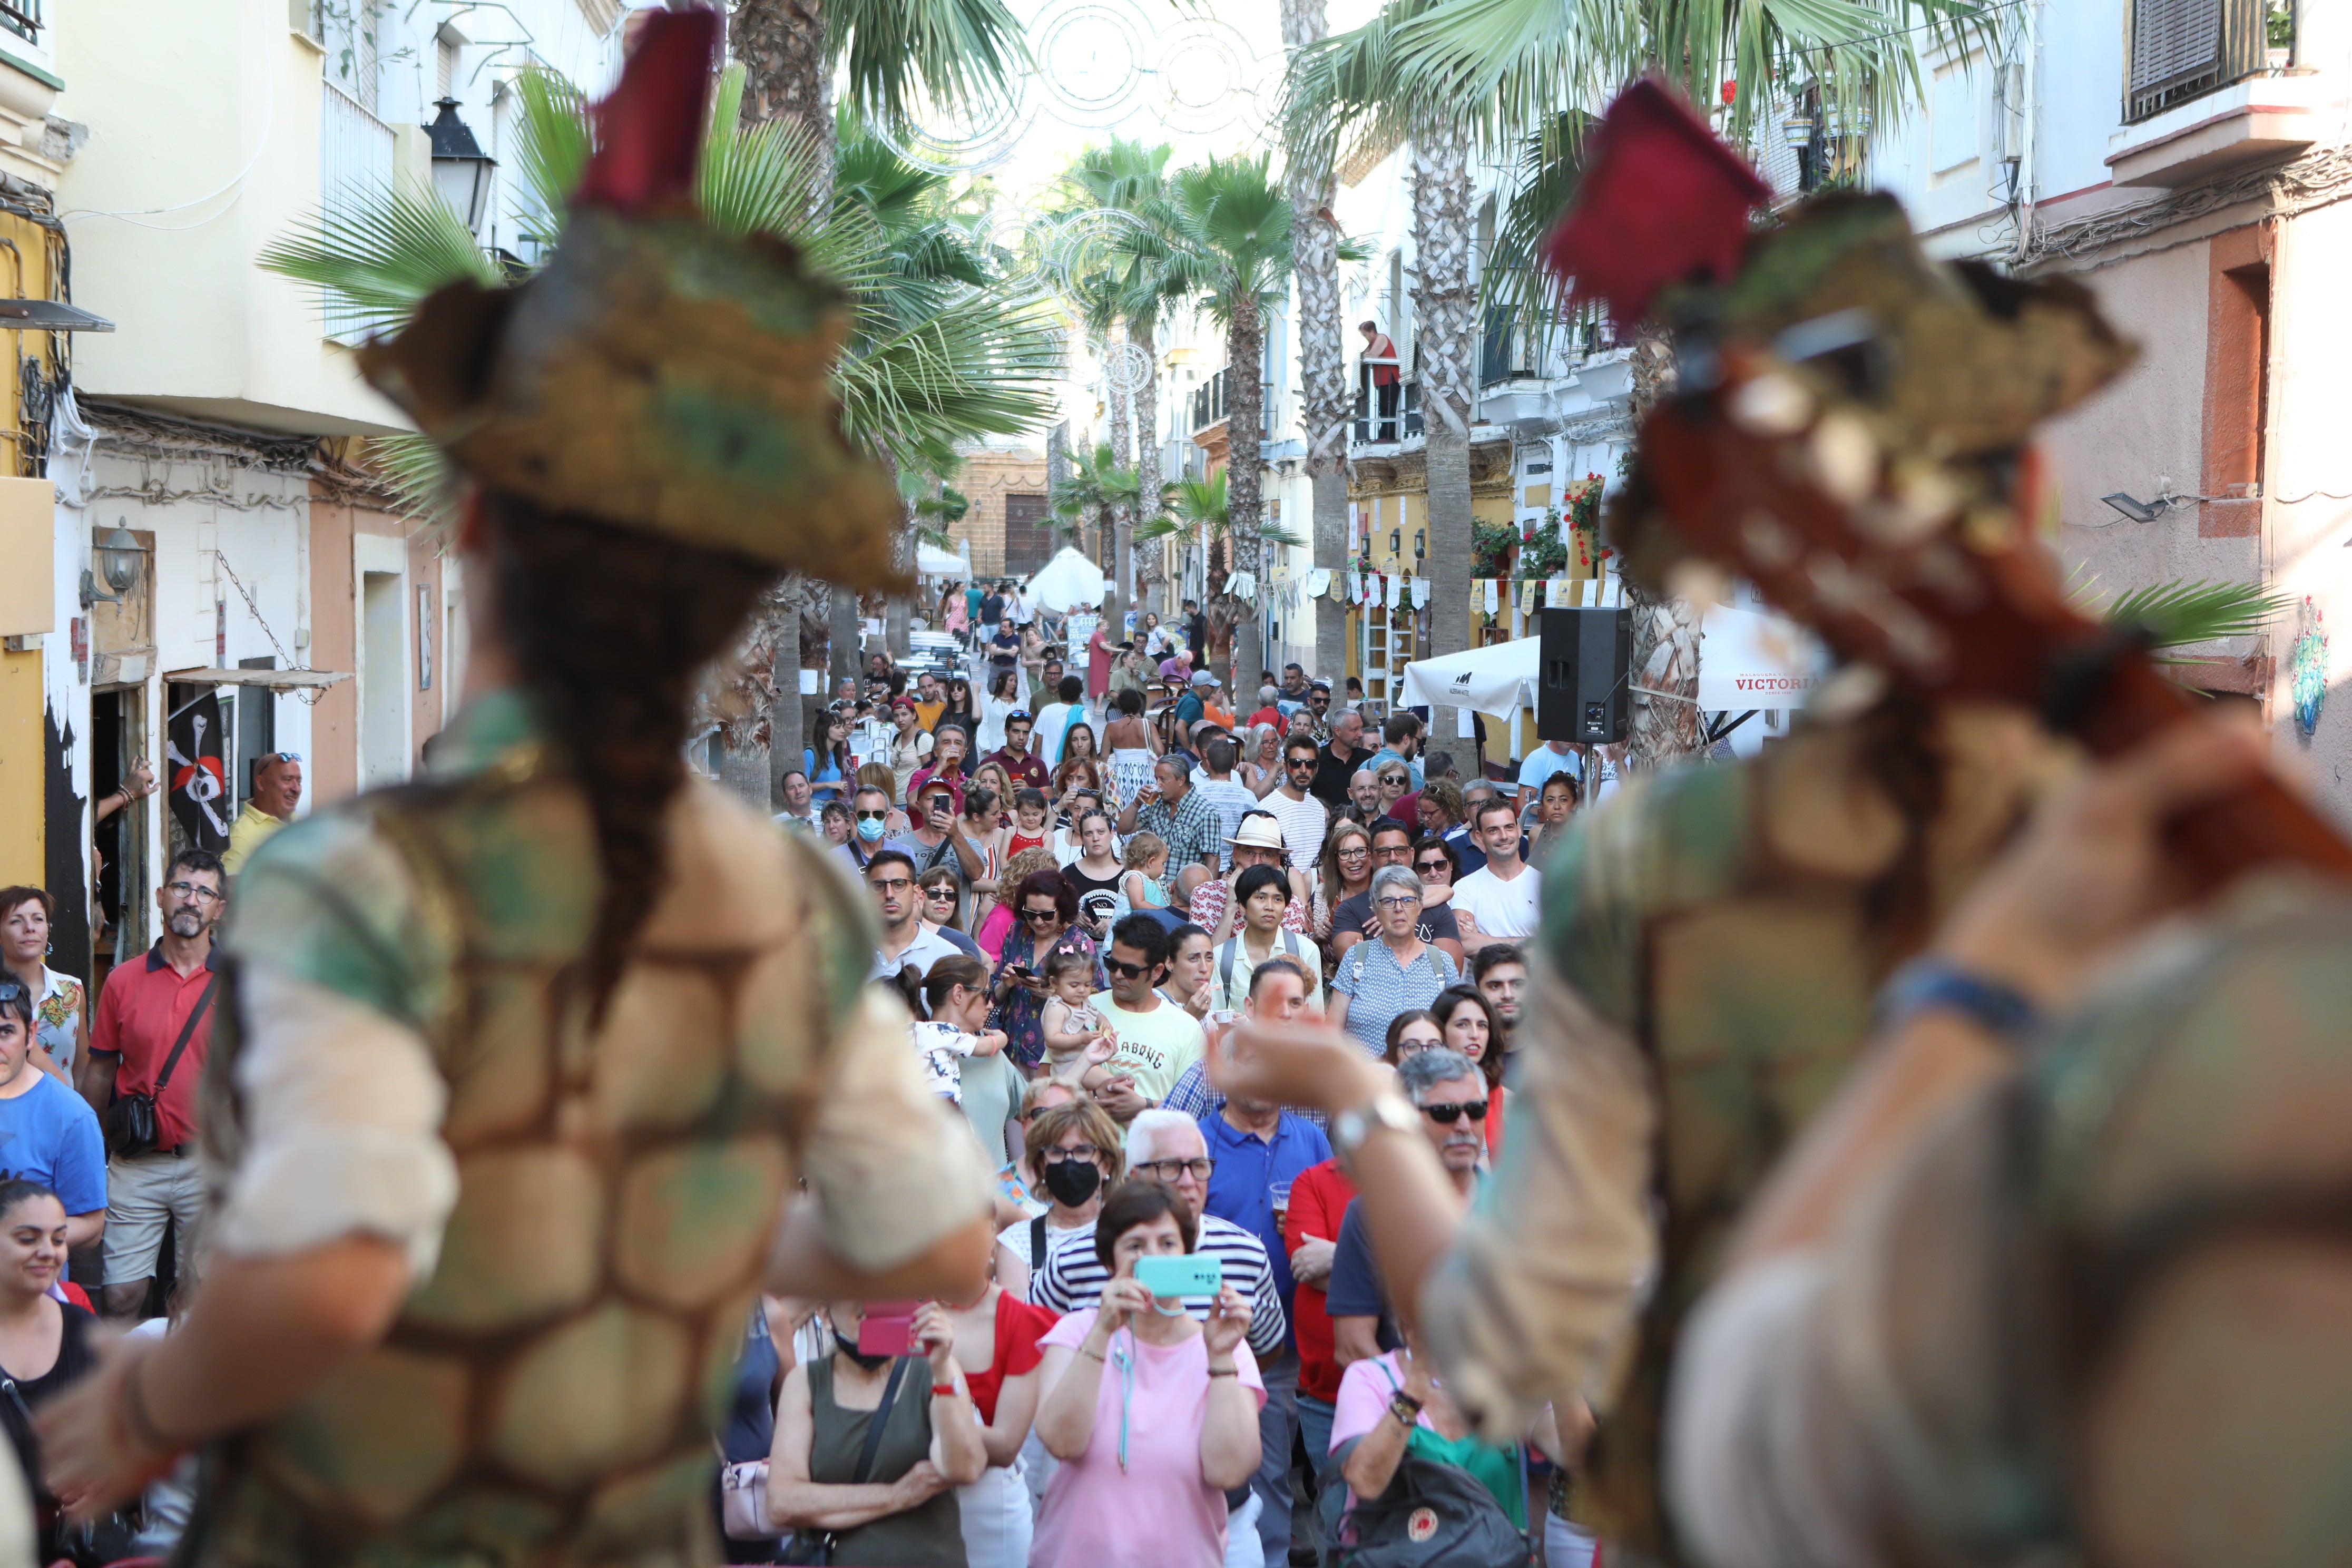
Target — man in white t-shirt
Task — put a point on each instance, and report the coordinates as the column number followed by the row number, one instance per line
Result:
column 1230, row 798
column 1156, row 1039
column 1503, row 900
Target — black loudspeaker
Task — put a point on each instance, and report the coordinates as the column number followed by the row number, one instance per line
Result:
column 1587, row 679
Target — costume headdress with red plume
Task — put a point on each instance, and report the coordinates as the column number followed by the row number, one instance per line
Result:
column 656, row 373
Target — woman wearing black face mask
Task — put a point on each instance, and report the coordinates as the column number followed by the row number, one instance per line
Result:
column 1072, row 1156
column 899, row 1505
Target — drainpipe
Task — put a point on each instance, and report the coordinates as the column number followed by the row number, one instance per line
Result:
column 2032, row 117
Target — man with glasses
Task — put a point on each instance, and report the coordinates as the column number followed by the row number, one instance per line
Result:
column 1448, row 1091
column 149, row 1013
column 1304, row 819
column 1258, row 1148
column 937, row 841
column 1181, row 815
column 1156, row 1039
column 1392, row 844
column 277, row 791
column 906, row 944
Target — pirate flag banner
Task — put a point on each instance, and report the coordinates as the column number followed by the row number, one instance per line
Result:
column 199, row 781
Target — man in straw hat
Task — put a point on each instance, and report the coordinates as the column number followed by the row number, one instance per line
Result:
column 523, row 1061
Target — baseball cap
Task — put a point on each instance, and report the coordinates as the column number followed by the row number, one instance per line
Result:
column 1204, row 678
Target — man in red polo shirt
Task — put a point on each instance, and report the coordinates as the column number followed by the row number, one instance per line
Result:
column 148, row 1006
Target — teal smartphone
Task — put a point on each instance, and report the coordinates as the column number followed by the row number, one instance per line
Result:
column 1184, row 1274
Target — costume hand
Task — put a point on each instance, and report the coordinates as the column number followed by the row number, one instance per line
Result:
column 934, row 1330
column 2091, row 872
column 93, row 1463
column 1303, row 1062
column 1229, row 1321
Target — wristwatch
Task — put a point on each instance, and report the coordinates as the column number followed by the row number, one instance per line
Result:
column 1387, row 1109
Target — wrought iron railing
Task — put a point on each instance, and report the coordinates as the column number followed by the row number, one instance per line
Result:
column 22, row 18
column 1385, row 415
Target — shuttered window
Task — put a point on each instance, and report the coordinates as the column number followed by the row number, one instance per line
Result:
column 2185, row 48
column 1028, row 534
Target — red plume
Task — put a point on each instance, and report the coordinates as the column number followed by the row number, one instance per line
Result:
column 649, row 130
column 1662, row 198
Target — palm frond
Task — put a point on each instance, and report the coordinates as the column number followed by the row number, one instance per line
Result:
column 552, row 146
column 2176, row 615
column 899, row 52
column 423, row 481
column 374, row 259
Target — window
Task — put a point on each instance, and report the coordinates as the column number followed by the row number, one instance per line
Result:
column 2182, row 50
column 22, row 18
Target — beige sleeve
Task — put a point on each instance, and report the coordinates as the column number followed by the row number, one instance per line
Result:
column 1540, row 1288
column 895, row 1168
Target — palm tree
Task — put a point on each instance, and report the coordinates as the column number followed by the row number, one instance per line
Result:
column 1195, row 513
column 893, row 52
column 1235, row 221
column 933, row 357
column 1324, row 399
column 1097, row 487
column 1440, row 73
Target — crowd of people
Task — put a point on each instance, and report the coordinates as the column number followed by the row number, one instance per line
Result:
column 1083, row 876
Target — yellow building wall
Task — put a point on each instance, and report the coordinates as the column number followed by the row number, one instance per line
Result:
column 26, row 271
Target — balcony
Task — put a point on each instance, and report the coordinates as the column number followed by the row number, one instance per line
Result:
column 356, row 158
column 2183, row 49
column 2264, row 118
column 1209, row 403
column 1385, row 415
column 22, row 18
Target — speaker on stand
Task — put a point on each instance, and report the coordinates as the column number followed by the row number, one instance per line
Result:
column 1585, row 689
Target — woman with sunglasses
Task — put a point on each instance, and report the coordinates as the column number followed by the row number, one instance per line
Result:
column 1394, row 782
column 1044, row 912
column 1152, row 1413
column 1345, row 871
column 1473, row 1028
column 1386, row 974
column 999, row 922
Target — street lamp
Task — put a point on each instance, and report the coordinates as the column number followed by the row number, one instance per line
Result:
column 461, row 170
column 117, row 557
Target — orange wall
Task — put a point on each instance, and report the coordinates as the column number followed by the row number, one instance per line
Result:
column 333, row 771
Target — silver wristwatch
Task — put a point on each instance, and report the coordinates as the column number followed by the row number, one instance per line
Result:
column 1387, row 1109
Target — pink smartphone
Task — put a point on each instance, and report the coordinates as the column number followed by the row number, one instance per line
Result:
column 888, row 1328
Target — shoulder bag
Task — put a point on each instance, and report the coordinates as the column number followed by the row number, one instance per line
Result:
column 1430, row 1513
column 815, row 1547
column 131, row 1125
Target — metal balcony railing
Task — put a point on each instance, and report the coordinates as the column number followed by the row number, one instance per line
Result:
column 1385, row 414
column 22, row 18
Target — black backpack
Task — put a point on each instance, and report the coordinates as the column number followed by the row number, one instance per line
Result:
column 1431, row 1515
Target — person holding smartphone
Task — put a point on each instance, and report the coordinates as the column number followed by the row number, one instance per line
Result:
column 1152, row 1413
column 899, row 1507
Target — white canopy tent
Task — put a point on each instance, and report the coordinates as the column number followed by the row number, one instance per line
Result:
column 1500, row 680
column 1069, row 579
column 933, row 562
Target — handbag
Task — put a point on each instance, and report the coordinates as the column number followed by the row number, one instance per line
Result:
column 132, row 1128
column 815, row 1547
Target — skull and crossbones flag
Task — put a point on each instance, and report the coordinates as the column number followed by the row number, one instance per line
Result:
column 200, row 800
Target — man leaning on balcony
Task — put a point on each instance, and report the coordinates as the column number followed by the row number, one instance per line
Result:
column 1380, row 358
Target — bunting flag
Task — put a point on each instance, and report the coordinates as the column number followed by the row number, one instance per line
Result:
column 1421, row 590
column 1494, row 598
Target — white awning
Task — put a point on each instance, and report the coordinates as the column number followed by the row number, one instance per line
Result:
column 1499, row 680
column 933, row 562
column 276, row 680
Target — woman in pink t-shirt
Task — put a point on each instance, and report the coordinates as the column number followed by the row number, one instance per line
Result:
column 1152, row 1413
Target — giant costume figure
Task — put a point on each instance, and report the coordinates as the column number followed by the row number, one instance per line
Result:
column 534, row 1051
column 1714, row 936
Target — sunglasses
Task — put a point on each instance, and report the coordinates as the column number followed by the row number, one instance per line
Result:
column 1297, row 762
column 940, row 894
column 1448, row 1114
column 1438, row 865
column 1127, row 971
column 1040, row 914
column 872, row 816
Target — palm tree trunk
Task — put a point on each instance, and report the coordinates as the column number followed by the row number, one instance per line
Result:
column 1145, row 334
column 1445, row 328
column 1244, row 419
column 1322, row 362
column 781, row 46
column 1663, row 723
column 1122, row 520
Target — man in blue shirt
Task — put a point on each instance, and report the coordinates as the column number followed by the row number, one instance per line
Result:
column 1401, row 740
column 1551, row 757
column 48, row 1133
column 1259, row 1150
